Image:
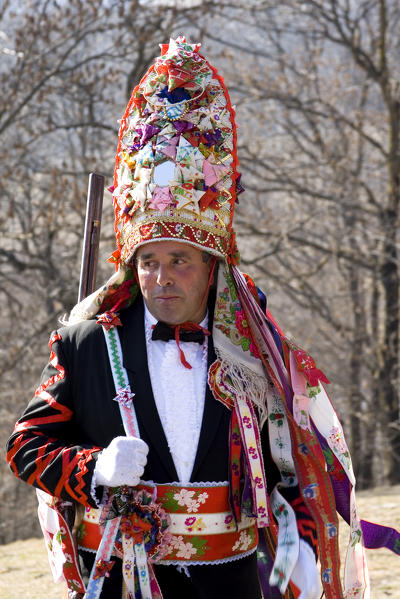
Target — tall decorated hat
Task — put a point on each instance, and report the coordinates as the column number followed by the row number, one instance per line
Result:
column 176, row 172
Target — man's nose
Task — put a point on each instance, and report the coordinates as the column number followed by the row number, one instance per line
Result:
column 164, row 276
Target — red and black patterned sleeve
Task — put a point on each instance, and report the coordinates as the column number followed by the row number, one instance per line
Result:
column 305, row 522
column 41, row 450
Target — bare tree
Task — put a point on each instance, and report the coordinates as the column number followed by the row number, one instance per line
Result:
column 318, row 97
column 66, row 72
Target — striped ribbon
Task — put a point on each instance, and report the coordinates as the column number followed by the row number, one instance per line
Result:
column 134, row 554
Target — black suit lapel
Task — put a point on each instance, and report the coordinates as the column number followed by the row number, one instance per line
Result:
column 213, row 409
column 133, row 344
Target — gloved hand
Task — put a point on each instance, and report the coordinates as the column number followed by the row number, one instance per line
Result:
column 122, row 462
column 305, row 574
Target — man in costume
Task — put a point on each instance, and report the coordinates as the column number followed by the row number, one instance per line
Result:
column 219, row 468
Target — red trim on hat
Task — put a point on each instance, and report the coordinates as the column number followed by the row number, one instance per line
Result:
column 232, row 254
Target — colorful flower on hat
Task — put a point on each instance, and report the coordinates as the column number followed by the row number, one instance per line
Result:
column 161, row 198
column 177, row 95
column 145, row 132
column 209, row 199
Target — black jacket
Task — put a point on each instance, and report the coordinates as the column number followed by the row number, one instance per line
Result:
column 72, row 416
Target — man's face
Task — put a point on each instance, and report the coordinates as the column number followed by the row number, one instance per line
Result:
column 173, row 278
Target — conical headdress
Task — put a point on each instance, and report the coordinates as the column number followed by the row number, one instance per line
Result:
column 176, row 165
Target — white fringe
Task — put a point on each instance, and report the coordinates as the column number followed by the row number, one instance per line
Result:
column 246, row 383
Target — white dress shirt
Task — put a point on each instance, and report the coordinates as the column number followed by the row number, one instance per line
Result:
column 179, row 393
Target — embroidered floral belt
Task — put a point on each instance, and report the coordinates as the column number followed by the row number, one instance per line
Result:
column 201, row 527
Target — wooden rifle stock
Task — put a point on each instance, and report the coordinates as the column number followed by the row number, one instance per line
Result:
column 90, row 250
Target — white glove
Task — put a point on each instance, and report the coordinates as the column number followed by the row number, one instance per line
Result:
column 122, row 462
column 305, row 574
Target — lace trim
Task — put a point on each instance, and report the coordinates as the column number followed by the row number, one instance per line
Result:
column 216, row 562
column 80, row 548
column 186, row 563
column 93, row 486
column 151, row 483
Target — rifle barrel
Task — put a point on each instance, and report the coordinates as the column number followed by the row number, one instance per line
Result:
column 90, row 250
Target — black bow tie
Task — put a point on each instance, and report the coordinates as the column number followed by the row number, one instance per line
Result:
column 164, row 332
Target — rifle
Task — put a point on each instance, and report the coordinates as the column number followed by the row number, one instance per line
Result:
column 87, row 283
column 90, row 249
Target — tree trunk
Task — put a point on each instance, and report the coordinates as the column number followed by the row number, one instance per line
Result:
column 390, row 279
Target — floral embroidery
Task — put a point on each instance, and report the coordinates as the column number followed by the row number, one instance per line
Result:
column 231, row 319
column 81, row 532
column 103, row 568
column 186, row 551
column 194, row 524
column 243, row 543
column 189, row 499
column 218, row 386
column 189, row 537
column 280, row 574
column 60, row 535
column 259, row 482
column 332, row 529
column 247, row 421
column 253, row 453
column 338, row 444
column 310, row 491
column 306, row 364
column 313, row 391
column 327, row 575
column 337, row 441
column 181, row 549
column 244, row 329
column 356, row 536
column 281, row 510
column 74, row 585
column 355, row 591
column 277, row 418
column 262, row 512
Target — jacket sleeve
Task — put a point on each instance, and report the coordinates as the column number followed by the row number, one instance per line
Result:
column 42, row 450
